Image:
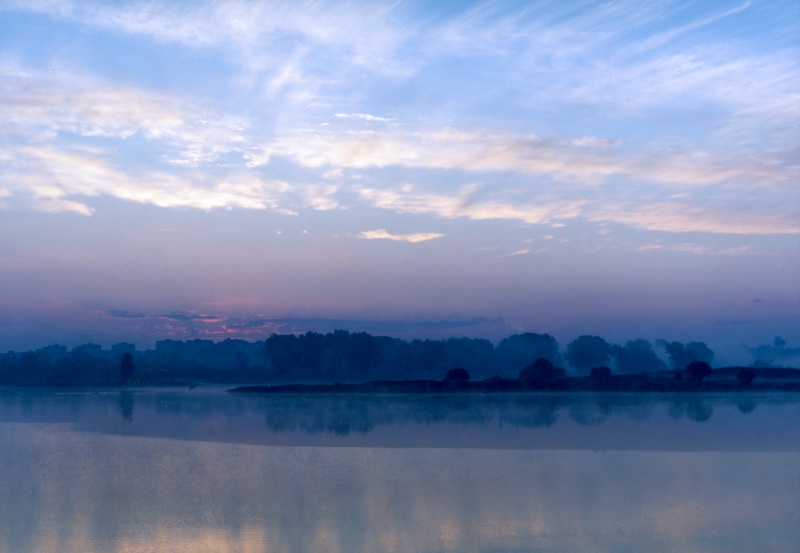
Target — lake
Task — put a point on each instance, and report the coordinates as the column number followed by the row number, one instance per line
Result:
column 146, row 470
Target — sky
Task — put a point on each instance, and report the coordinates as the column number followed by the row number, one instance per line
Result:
column 215, row 169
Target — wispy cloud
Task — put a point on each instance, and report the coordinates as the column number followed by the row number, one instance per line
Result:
column 695, row 249
column 55, row 180
column 409, row 199
column 584, row 160
column 40, row 107
column 445, row 149
column 64, row 181
column 67, row 133
column 413, row 238
column 191, row 316
column 364, row 116
column 674, row 216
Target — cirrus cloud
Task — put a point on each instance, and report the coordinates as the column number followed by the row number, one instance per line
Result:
column 413, row 238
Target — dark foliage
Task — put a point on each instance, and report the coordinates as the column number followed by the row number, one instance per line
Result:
column 540, row 371
column 698, row 370
column 126, row 367
column 348, row 358
column 517, row 350
column 680, row 355
column 746, row 376
column 457, row 375
column 586, row 352
column 637, row 356
column 600, row 372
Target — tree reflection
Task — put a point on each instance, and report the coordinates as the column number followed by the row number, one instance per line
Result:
column 746, row 405
column 699, row 410
column 126, row 405
column 692, row 407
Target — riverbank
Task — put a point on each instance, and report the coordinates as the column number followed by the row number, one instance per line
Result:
column 720, row 380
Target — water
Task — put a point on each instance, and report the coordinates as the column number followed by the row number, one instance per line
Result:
column 170, row 470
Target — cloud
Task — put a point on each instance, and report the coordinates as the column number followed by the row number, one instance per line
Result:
column 675, row 216
column 445, row 149
column 409, row 199
column 581, row 161
column 594, row 142
column 364, row 116
column 183, row 316
column 695, row 249
column 50, row 176
column 55, row 179
column 41, row 108
column 64, row 130
column 122, row 314
column 275, row 39
column 382, row 234
column 191, row 316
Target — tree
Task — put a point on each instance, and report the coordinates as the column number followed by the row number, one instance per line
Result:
column 477, row 355
column 774, row 355
column 457, row 375
column 542, row 370
column 637, row 356
column 361, row 356
column 600, row 372
column 746, row 376
column 698, row 370
column 126, row 367
column 518, row 350
column 585, row 352
column 680, row 355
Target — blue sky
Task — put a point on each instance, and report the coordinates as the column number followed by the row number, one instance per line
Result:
column 192, row 169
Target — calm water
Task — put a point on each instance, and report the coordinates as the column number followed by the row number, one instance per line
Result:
column 202, row 470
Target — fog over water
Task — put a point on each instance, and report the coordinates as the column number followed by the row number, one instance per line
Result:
column 160, row 470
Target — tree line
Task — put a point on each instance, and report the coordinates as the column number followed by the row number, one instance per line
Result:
column 336, row 356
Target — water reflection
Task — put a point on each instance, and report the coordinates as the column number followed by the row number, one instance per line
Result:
column 164, row 471
column 111, row 493
column 126, row 405
column 540, row 421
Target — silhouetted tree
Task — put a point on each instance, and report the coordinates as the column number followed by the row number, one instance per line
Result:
column 637, row 356
column 126, row 367
column 457, row 375
column 698, row 370
column 361, row 355
column 680, row 355
column 518, row 350
column 298, row 357
column 585, row 352
column 746, row 376
column 770, row 355
column 474, row 354
column 600, row 372
column 542, row 370
column 428, row 357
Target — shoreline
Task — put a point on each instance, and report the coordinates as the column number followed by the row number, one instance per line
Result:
column 721, row 380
